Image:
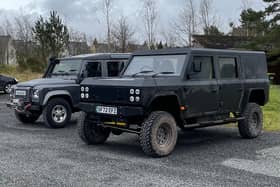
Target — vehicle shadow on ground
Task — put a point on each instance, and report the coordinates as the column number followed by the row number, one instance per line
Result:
column 41, row 125
column 214, row 140
column 187, row 141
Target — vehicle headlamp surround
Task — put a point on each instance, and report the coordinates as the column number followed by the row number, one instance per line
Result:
column 35, row 93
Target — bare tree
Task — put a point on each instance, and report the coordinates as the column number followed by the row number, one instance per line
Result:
column 207, row 15
column 108, row 5
column 170, row 38
column 8, row 28
column 122, row 33
column 186, row 25
column 23, row 28
column 150, row 18
column 76, row 36
column 246, row 4
column 23, row 33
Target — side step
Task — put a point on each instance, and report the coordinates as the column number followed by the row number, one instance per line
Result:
column 213, row 123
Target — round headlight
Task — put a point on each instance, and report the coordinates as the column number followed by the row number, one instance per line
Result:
column 86, row 89
column 82, row 95
column 131, row 99
column 137, row 99
column 87, row 96
column 82, row 88
column 137, row 92
column 36, row 94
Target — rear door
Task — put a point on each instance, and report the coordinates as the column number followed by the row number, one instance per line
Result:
column 230, row 83
column 201, row 89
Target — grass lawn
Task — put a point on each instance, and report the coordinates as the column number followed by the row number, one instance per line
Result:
column 14, row 71
column 272, row 110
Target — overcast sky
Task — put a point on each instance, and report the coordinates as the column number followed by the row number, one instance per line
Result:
column 87, row 15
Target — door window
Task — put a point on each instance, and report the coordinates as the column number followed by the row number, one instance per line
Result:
column 202, row 68
column 93, row 69
column 114, row 68
column 228, row 67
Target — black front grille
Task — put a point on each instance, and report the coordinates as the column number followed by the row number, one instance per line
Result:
column 110, row 94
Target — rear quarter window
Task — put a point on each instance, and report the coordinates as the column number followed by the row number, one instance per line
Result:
column 254, row 66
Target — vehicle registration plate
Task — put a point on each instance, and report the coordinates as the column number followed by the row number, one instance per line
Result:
column 107, row 110
column 20, row 92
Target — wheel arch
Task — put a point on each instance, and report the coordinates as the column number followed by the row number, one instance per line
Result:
column 58, row 94
column 258, row 96
column 168, row 102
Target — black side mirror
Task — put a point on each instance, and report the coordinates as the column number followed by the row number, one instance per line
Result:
column 54, row 60
column 197, row 66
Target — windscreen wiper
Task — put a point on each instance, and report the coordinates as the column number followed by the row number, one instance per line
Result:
column 73, row 70
column 163, row 73
column 146, row 71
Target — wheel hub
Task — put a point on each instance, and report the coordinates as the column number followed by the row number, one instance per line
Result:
column 59, row 113
column 255, row 120
column 8, row 88
column 163, row 135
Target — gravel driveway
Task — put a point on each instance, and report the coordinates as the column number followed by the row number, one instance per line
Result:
column 34, row 155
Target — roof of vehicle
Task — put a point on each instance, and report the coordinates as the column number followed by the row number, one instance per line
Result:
column 175, row 51
column 99, row 56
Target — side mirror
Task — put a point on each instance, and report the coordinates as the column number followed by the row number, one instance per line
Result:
column 54, row 60
column 196, row 66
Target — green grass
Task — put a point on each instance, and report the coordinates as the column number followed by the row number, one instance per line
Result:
column 15, row 71
column 272, row 110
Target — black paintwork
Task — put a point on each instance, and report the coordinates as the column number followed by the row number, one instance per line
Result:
column 190, row 101
column 50, row 87
column 6, row 80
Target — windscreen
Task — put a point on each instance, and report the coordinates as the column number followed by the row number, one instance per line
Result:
column 67, row 68
column 169, row 65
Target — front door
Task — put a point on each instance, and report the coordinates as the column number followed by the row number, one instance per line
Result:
column 230, row 84
column 201, row 90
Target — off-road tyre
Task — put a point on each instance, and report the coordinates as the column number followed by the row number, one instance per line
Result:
column 150, row 135
column 251, row 126
column 26, row 118
column 91, row 133
column 48, row 116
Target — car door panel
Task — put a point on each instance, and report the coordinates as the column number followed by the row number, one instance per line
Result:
column 201, row 90
column 231, row 87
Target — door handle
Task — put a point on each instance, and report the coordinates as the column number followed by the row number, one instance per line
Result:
column 214, row 90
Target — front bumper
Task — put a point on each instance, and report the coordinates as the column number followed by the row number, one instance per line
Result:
column 126, row 114
column 22, row 107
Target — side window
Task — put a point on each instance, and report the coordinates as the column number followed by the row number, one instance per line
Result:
column 93, row 69
column 202, row 68
column 114, row 68
column 228, row 67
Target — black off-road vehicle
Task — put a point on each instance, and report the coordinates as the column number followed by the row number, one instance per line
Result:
column 184, row 87
column 57, row 94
